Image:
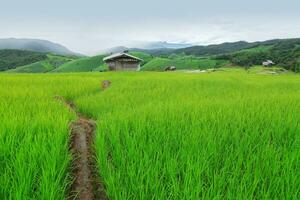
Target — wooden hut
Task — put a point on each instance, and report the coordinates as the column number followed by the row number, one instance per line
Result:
column 122, row 61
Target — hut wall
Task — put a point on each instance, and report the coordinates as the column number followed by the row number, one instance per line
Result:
column 123, row 64
column 111, row 65
column 127, row 65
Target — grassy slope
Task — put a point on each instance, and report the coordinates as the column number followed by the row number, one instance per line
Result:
column 257, row 69
column 38, row 67
column 214, row 49
column 83, row 65
column 52, row 62
column 227, row 48
column 285, row 53
column 180, row 62
column 10, row 59
column 260, row 48
column 195, row 136
column 145, row 56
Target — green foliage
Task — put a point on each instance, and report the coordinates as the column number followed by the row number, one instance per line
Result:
column 52, row 62
column 101, row 68
column 258, row 49
column 249, row 58
column 156, row 64
column 56, row 60
column 285, row 53
column 180, row 62
column 197, row 136
column 10, row 59
column 82, row 65
column 145, row 56
column 215, row 49
column 174, row 135
column 227, row 48
column 38, row 67
column 35, row 162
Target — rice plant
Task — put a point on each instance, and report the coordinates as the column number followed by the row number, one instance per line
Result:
column 221, row 135
column 198, row 136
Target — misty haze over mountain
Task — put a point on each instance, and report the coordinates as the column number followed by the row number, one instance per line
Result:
column 90, row 26
column 45, row 46
column 42, row 46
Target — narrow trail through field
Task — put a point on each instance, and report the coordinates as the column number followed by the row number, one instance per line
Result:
column 87, row 183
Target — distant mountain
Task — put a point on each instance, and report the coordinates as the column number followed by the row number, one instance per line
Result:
column 42, row 46
column 214, row 49
column 284, row 52
column 154, row 52
column 116, row 49
column 161, row 45
column 228, row 47
column 154, row 48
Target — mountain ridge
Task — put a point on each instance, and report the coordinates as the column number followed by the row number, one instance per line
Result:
column 37, row 45
column 284, row 52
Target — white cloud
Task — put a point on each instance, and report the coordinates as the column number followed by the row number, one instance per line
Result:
column 93, row 27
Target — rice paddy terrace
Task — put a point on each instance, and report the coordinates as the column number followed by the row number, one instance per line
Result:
column 220, row 135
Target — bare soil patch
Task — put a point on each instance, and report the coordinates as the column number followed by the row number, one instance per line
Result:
column 105, row 84
column 87, row 183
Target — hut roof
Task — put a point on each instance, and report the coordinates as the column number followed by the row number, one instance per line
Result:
column 120, row 55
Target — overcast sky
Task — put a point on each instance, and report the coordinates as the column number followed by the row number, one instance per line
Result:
column 88, row 26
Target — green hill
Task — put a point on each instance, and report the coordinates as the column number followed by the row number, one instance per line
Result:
column 231, row 47
column 52, row 62
column 285, row 53
column 145, row 56
column 181, row 62
column 214, row 49
column 260, row 48
column 88, row 64
column 10, row 59
column 38, row 67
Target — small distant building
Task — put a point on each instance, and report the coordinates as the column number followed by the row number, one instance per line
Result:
column 122, row 61
column 170, row 68
column 268, row 63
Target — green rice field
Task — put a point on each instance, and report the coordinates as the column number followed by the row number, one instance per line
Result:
column 220, row 135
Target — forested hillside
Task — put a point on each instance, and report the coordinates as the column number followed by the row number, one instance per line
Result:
column 10, row 59
column 285, row 53
column 86, row 64
column 51, row 63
